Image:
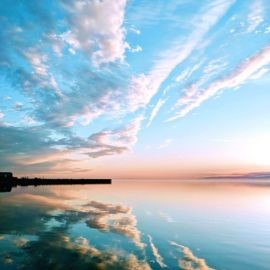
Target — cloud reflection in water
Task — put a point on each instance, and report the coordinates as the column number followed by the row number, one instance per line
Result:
column 53, row 247
column 48, row 228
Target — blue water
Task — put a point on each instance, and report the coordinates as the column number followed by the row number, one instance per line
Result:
column 137, row 225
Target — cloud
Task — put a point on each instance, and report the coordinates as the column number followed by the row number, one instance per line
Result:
column 252, row 175
column 37, row 149
column 255, row 16
column 184, row 75
column 34, row 149
column 194, row 96
column 109, row 142
column 189, row 260
column 28, row 120
column 155, row 111
column 18, row 106
column 74, row 94
column 261, row 72
column 107, row 150
column 22, row 141
column 156, row 254
column 144, row 86
column 40, row 69
column 96, row 29
column 215, row 65
column 80, row 96
column 136, row 49
column 134, row 30
column 38, row 62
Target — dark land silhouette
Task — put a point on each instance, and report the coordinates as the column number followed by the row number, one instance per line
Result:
column 8, row 181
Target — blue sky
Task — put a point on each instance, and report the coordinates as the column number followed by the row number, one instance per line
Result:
column 166, row 88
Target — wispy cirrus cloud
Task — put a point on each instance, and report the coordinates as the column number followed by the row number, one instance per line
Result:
column 195, row 96
column 256, row 15
column 144, row 86
column 155, row 111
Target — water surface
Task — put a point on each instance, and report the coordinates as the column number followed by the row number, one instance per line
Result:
column 137, row 225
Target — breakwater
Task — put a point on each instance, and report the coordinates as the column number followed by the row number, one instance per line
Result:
column 7, row 181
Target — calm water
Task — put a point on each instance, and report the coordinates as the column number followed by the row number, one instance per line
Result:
column 137, row 225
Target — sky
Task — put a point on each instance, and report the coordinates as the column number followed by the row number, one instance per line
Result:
column 135, row 89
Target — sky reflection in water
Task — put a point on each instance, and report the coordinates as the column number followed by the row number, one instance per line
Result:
column 137, row 225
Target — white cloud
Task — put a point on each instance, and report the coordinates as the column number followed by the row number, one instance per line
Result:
column 194, row 96
column 41, row 72
column 140, row 91
column 259, row 74
column 29, row 120
column 155, row 110
column 38, row 62
column 215, row 65
column 87, row 115
column 96, row 28
column 18, row 106
column 128, row 134
column 143, row 87
column 136, row 49
column 184, row 75
column 2, row 115
column 109, row 142
column 134, row 30
column 57, row 44
column 255, row 17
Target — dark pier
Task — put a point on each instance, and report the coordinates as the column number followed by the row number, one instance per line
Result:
column 8, row 181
